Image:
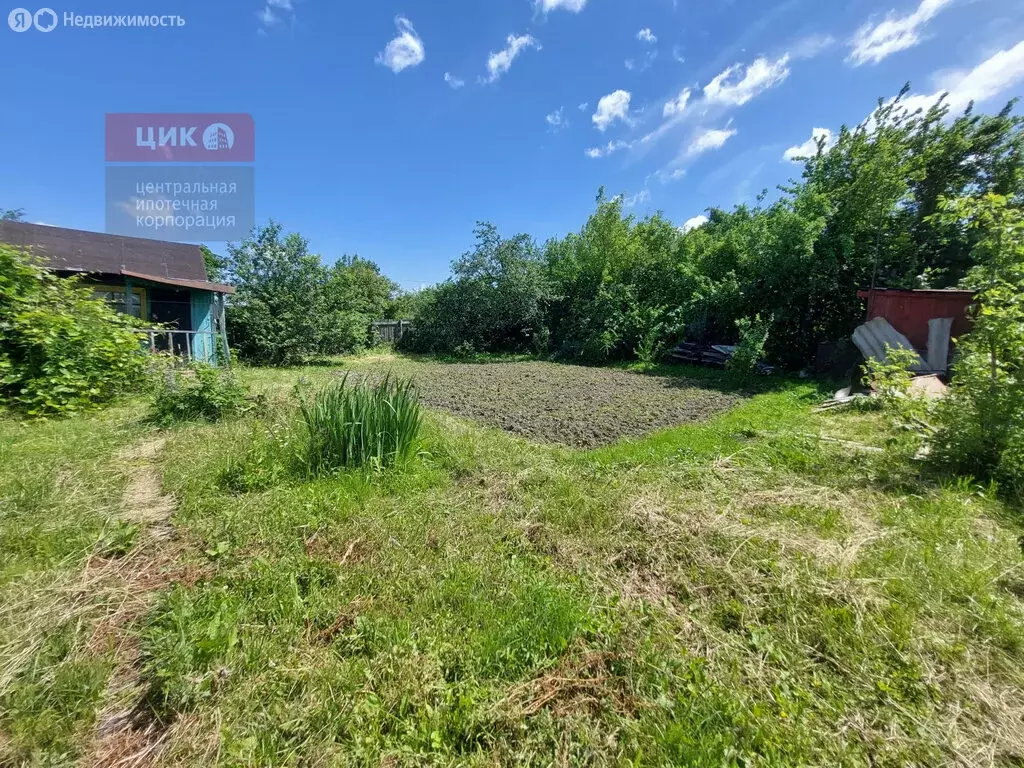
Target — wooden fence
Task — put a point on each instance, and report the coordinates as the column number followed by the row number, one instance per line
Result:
column 391, row 331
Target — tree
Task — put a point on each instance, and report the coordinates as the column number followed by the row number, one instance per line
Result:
column 12, row 214
column 981, row 422
column 215, row 265
column 496, row 301
column 355, row 294
column 278, row 315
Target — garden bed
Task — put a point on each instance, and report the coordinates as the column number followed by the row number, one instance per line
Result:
column 566, row 404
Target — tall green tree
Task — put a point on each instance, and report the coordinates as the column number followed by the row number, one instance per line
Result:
column 278, row 313
column 495, row 302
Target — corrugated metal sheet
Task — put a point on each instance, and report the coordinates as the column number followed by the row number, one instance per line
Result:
column 875, row 336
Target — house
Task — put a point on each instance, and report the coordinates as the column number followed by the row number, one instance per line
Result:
column 160, row 283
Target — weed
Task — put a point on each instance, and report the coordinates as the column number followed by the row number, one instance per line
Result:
column 360, row 425
column 202, row 392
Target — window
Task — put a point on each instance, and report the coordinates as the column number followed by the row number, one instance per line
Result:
column 116, row 298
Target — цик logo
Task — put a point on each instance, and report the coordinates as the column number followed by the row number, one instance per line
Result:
column 218, row 136
column 22, row 19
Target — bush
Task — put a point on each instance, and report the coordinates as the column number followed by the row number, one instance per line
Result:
column 891, row 377
column 61, row 350
column 201, row 393
column 750, row 349
column 356, row 425
column 495, row 303
column 981, row 422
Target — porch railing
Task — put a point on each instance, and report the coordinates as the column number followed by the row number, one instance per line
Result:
column 188, row 346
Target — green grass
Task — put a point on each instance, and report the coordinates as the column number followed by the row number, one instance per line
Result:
column 727, row 593
column 358, row 425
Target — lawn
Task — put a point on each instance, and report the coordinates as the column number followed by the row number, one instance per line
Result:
column 720, row 587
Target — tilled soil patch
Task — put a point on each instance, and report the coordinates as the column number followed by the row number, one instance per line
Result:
column 567, row 404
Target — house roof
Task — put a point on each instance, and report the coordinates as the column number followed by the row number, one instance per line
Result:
column 73, row 250
column 180, row 283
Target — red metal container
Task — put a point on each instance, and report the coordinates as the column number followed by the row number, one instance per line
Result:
column 909, row 311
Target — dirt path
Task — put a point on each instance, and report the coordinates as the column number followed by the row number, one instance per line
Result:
column 127, row 734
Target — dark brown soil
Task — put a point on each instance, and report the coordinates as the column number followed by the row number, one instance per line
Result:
column 571, row 405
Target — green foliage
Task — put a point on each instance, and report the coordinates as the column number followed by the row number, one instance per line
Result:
column 496, row 301
column 405, row 305
column 199, row 393
column 360, row 425
column 215, row 265
column 61, row 350
column 891, row 377
column 981, row 423
column 12, row 214
column 861, row 215
column 290, row 307
column 750, row 348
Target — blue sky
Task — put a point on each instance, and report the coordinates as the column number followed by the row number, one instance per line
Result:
column 388, row 128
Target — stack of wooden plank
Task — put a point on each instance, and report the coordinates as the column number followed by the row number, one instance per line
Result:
column 689, row 352
column 710, row 354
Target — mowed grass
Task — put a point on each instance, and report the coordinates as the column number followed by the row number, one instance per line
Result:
column 734, row 592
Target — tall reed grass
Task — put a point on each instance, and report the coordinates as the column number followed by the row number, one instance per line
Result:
column 358, row 424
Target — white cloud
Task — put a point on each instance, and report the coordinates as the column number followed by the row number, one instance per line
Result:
column 267, row 16
column 874, row 42
column 811, row 46
column 557, row 119
column 641, row 197
column 666, row 175
column 406, row 50
column 646, row 64
column 608, row 149
column 696, row 222
column 810, row 147
column 573, row 6
column 499, row 63
column 646, row 36
column 729, row 89
column 677, row 54
column 274, row 12
column 454, row 82
column 714, row 138
column 998, row 73
column 614, row 106
column 677, row 105
column 583, row 107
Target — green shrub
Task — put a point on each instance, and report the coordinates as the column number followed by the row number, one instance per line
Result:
column 61, row 350
column 981, row 422
column 750, row 349
column 891, row 377
column 355, row 425
column 200, row 393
